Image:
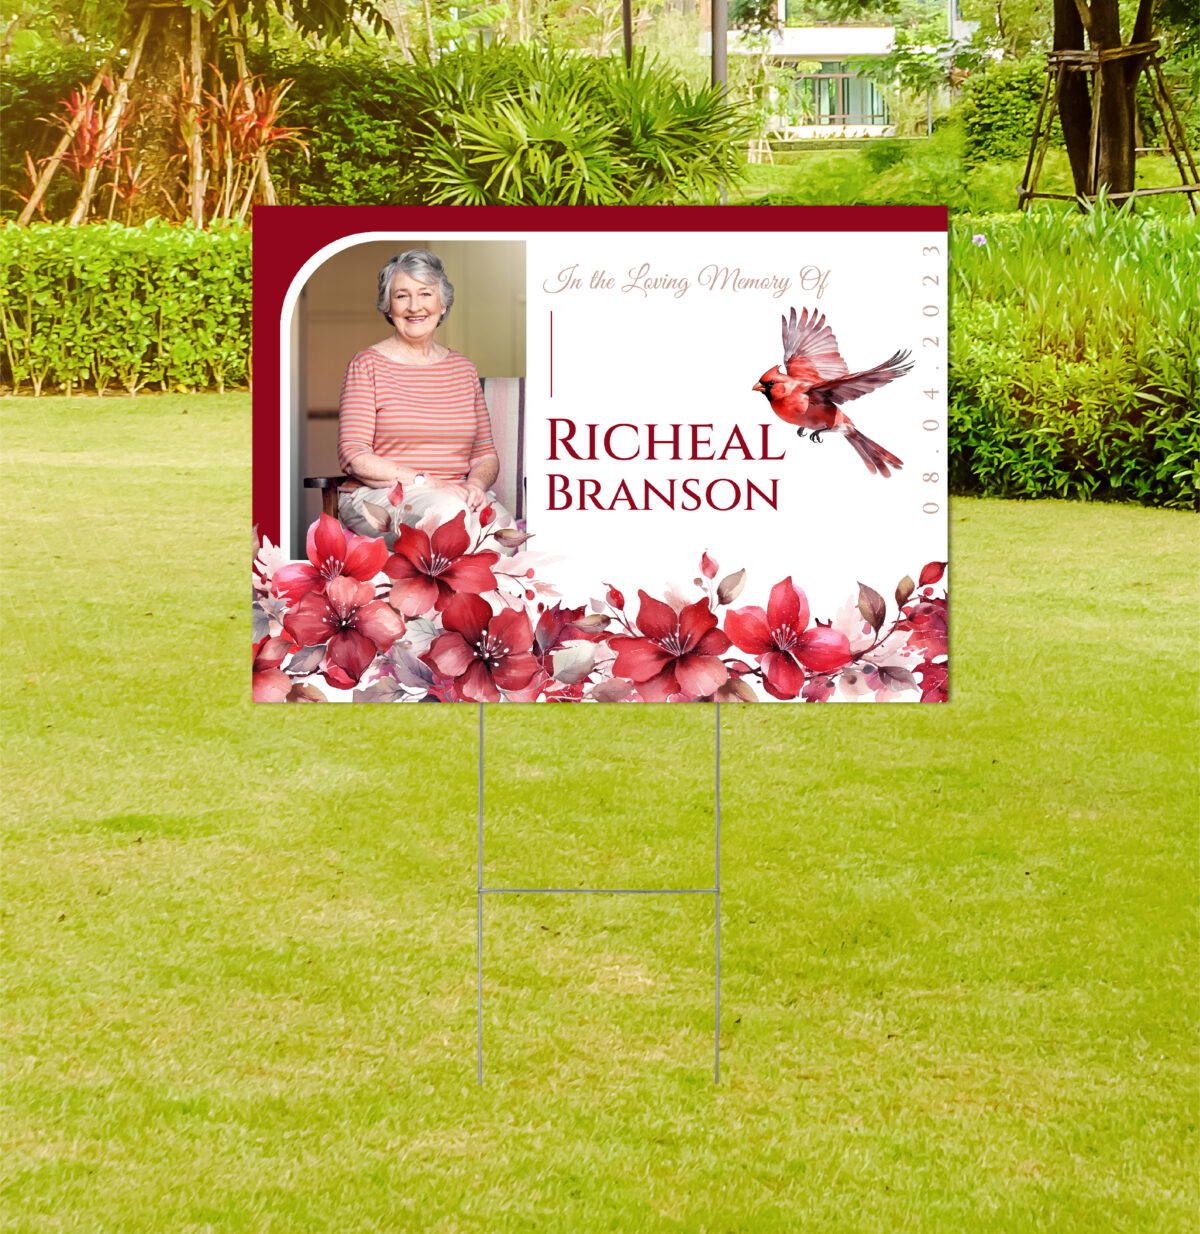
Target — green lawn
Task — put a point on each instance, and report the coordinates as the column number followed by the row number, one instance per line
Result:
column 933, row 172
column 959, row 962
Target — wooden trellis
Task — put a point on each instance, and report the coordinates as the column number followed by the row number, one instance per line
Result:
column 1059, row 65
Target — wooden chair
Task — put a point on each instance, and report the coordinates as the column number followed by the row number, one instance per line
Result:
column 329, row 491
column 505, row 397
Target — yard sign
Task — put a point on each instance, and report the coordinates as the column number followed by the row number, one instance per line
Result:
column 731, row 457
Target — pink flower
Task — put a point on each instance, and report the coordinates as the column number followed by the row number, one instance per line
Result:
column 480, row 652
column 430, row 570
column 270, row 684
column 782, row 641
column 351, row 621
column 677, row 653
column 333, row 552
column 817, row 690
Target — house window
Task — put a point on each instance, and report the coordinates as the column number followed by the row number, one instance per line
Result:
column 835, row 96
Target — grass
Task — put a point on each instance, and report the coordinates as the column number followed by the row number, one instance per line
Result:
column 1074, row 356
column 959, row 945
column 920, row 172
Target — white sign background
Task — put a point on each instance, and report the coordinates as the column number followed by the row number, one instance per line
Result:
column 689, row 351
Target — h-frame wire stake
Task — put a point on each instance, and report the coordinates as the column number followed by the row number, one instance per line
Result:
column 715, row 891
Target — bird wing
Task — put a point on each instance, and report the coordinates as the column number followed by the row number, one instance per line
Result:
column 855, row 385
column 810, row 352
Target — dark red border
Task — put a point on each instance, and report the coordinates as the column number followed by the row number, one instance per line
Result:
column 285, row 237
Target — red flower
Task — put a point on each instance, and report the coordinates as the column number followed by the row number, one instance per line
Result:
column 933, row 683
column 355, row 625
column 428, row 572
column 480, row 652
column 677, row 653
column 781, row 640
column 270, row 684
column 332, row 553
column 927, row 624
column 557, row 625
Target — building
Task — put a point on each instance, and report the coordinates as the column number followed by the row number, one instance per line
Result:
column 825, row 97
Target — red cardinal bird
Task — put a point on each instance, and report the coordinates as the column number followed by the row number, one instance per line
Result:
column 806, row 389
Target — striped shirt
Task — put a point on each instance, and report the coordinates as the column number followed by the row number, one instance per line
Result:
column 431, row 417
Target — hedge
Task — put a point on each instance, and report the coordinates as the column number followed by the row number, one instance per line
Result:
column 999, row 111
column 1075, row 357
column 111, row 307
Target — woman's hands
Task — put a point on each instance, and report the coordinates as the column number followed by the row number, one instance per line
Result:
column 480, row 478
column 468, row 492
column 377, row 472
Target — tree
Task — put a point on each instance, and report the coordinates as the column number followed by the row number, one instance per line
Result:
column 1017, row 27
column 1095, row 25
column 1115, row 82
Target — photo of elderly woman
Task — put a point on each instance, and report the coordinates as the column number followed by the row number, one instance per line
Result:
column 412, row 410
column 434, row 401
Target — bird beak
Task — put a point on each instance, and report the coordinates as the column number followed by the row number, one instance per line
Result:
column 758, row 385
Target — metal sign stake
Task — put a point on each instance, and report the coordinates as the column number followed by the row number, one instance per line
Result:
column 714, row 891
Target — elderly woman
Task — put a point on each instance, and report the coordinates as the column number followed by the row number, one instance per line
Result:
column 413, row 411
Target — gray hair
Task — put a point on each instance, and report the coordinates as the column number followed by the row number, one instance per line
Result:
column 421, row 265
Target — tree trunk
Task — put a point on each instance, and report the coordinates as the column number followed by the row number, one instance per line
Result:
column 153, row 133
column 1115, row 169
column 1110, row 121
column 1075, row 104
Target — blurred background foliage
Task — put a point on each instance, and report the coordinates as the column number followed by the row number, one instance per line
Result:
column 1075, row 345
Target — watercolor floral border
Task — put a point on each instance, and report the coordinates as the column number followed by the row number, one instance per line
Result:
column 466, row 614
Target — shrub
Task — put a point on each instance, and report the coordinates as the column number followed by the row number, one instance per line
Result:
column 110, row 307
column 538, row 126
column 886, row 152
column 359, row 117
column 902, row 171
column 32, row 88
column 1075, row 365
column 999, row 111
column 519, row 124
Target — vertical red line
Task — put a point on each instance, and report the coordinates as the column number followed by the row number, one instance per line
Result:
column 551, row 354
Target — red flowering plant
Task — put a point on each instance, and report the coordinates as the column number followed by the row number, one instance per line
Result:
column 431, row 569
column 350, row 622
column 332, row 551
column 481, row 652
column 463, row 612
column 672, row 656
column 783, row 642
column 270, row 683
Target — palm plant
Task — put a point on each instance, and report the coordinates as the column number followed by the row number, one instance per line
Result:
column 543, row 126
